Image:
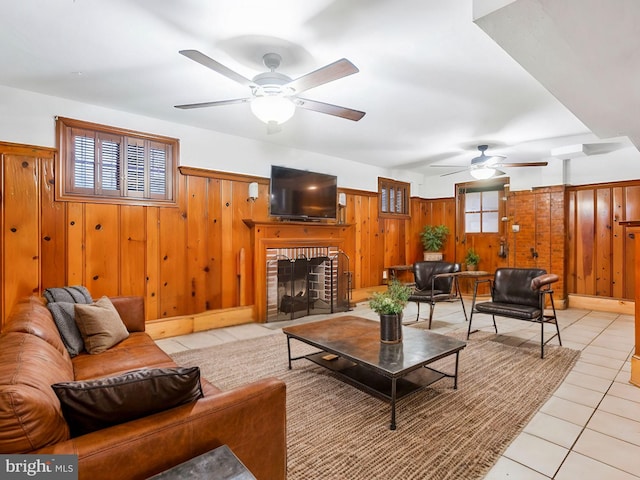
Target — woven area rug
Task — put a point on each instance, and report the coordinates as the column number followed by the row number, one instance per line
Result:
column 335, row 431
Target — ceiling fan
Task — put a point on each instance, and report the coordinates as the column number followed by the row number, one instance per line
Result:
column 274, row 96
column 486, row 166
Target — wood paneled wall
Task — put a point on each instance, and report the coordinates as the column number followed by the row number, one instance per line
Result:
column 185, row 259
column 601, row 253
column 197, row 255
column 438, row 211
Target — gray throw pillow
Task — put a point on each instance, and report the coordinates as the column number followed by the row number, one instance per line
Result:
column 92, row 405
column 63, row 314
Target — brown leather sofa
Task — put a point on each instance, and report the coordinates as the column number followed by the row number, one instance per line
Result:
column 249, row 419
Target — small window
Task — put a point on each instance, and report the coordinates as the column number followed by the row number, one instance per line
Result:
column 101, row 163
column 394, row 197
column 481, row 212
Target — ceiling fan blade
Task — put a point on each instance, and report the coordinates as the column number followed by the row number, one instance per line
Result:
column 328, row 73
column 188, row 106
column 453, row 173
column 446, row 166
column 330, row 109
column 487, row 160
column 524, row 164
column 208, row 62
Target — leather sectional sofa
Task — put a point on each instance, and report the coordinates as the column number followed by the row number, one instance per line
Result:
column 249, row 419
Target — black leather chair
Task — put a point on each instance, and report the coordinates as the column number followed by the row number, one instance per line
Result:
column 520, row 293
column 435, row 282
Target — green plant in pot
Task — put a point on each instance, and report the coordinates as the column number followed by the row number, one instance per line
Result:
column 471, row 259
column 389, row 305
column 433, row 238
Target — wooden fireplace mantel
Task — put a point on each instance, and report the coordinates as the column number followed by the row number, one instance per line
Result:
column 275, row 234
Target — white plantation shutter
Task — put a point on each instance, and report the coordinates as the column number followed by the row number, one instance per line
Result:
column 109, row 156
column 84, row 162
column 135, row 167
column 158, row 169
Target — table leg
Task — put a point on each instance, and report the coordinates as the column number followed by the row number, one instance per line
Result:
column 289, row 350
column 393, row 404
column 455, row 378
column 459, row 295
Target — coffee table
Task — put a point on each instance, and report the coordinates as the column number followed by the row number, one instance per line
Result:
column 350, row 346
column 217, row 464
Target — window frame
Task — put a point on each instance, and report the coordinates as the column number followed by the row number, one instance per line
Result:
column 396, row 187
column 66, row 131
column 498, row 185
column 482, row 212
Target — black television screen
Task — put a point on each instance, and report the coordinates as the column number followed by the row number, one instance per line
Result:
column 303, row 195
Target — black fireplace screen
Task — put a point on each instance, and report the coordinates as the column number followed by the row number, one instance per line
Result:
column 304, row 285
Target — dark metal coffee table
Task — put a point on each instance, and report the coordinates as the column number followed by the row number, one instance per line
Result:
column 217, row 464
column 350, row 346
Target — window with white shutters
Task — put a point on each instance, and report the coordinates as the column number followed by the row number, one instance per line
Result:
column 101, row 163
column 393, row 197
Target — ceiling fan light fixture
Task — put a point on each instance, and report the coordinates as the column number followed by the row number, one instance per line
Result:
column 273, row 108
column 482, row 173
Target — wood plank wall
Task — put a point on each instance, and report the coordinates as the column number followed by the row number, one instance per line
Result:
column 188, row 259
column 600, row 251
column 184, row 259
column 437, row 211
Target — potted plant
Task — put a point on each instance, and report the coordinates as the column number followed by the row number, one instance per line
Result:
column 389, row 305
column 433, row 238
column 472, row 259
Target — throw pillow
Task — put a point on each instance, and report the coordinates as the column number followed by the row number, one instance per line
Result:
column 92, row 405
column 63, row 314
column 100, row 325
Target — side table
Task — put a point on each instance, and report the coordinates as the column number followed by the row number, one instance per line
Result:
column 217, row 464
column 395, row 272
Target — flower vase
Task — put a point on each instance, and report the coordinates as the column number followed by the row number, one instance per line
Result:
column 391, row 327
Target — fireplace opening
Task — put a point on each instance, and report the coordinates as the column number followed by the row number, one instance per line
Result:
column 303, row 285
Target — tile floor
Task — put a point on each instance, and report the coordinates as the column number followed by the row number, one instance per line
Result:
column 589, row 429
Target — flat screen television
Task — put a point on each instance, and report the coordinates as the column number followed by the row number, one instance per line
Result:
column 303, row 195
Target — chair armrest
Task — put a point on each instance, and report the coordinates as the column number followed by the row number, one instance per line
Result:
column 542, row 280
column 250, row 419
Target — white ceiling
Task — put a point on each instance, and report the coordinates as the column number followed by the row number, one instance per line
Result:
column 433, row 84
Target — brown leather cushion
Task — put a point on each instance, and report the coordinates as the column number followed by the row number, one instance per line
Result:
column 30, row 315
column 136, row 351
column 30, row 414
column 131, row 310
column 96, row 404
column 100, row 325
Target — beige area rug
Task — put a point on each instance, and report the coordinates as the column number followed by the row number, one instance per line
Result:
column 335, row 431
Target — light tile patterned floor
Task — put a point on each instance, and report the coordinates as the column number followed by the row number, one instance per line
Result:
column 588, row 430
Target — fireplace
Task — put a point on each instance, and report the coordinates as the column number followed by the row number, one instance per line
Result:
column 307, row 280
column 289, row 241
